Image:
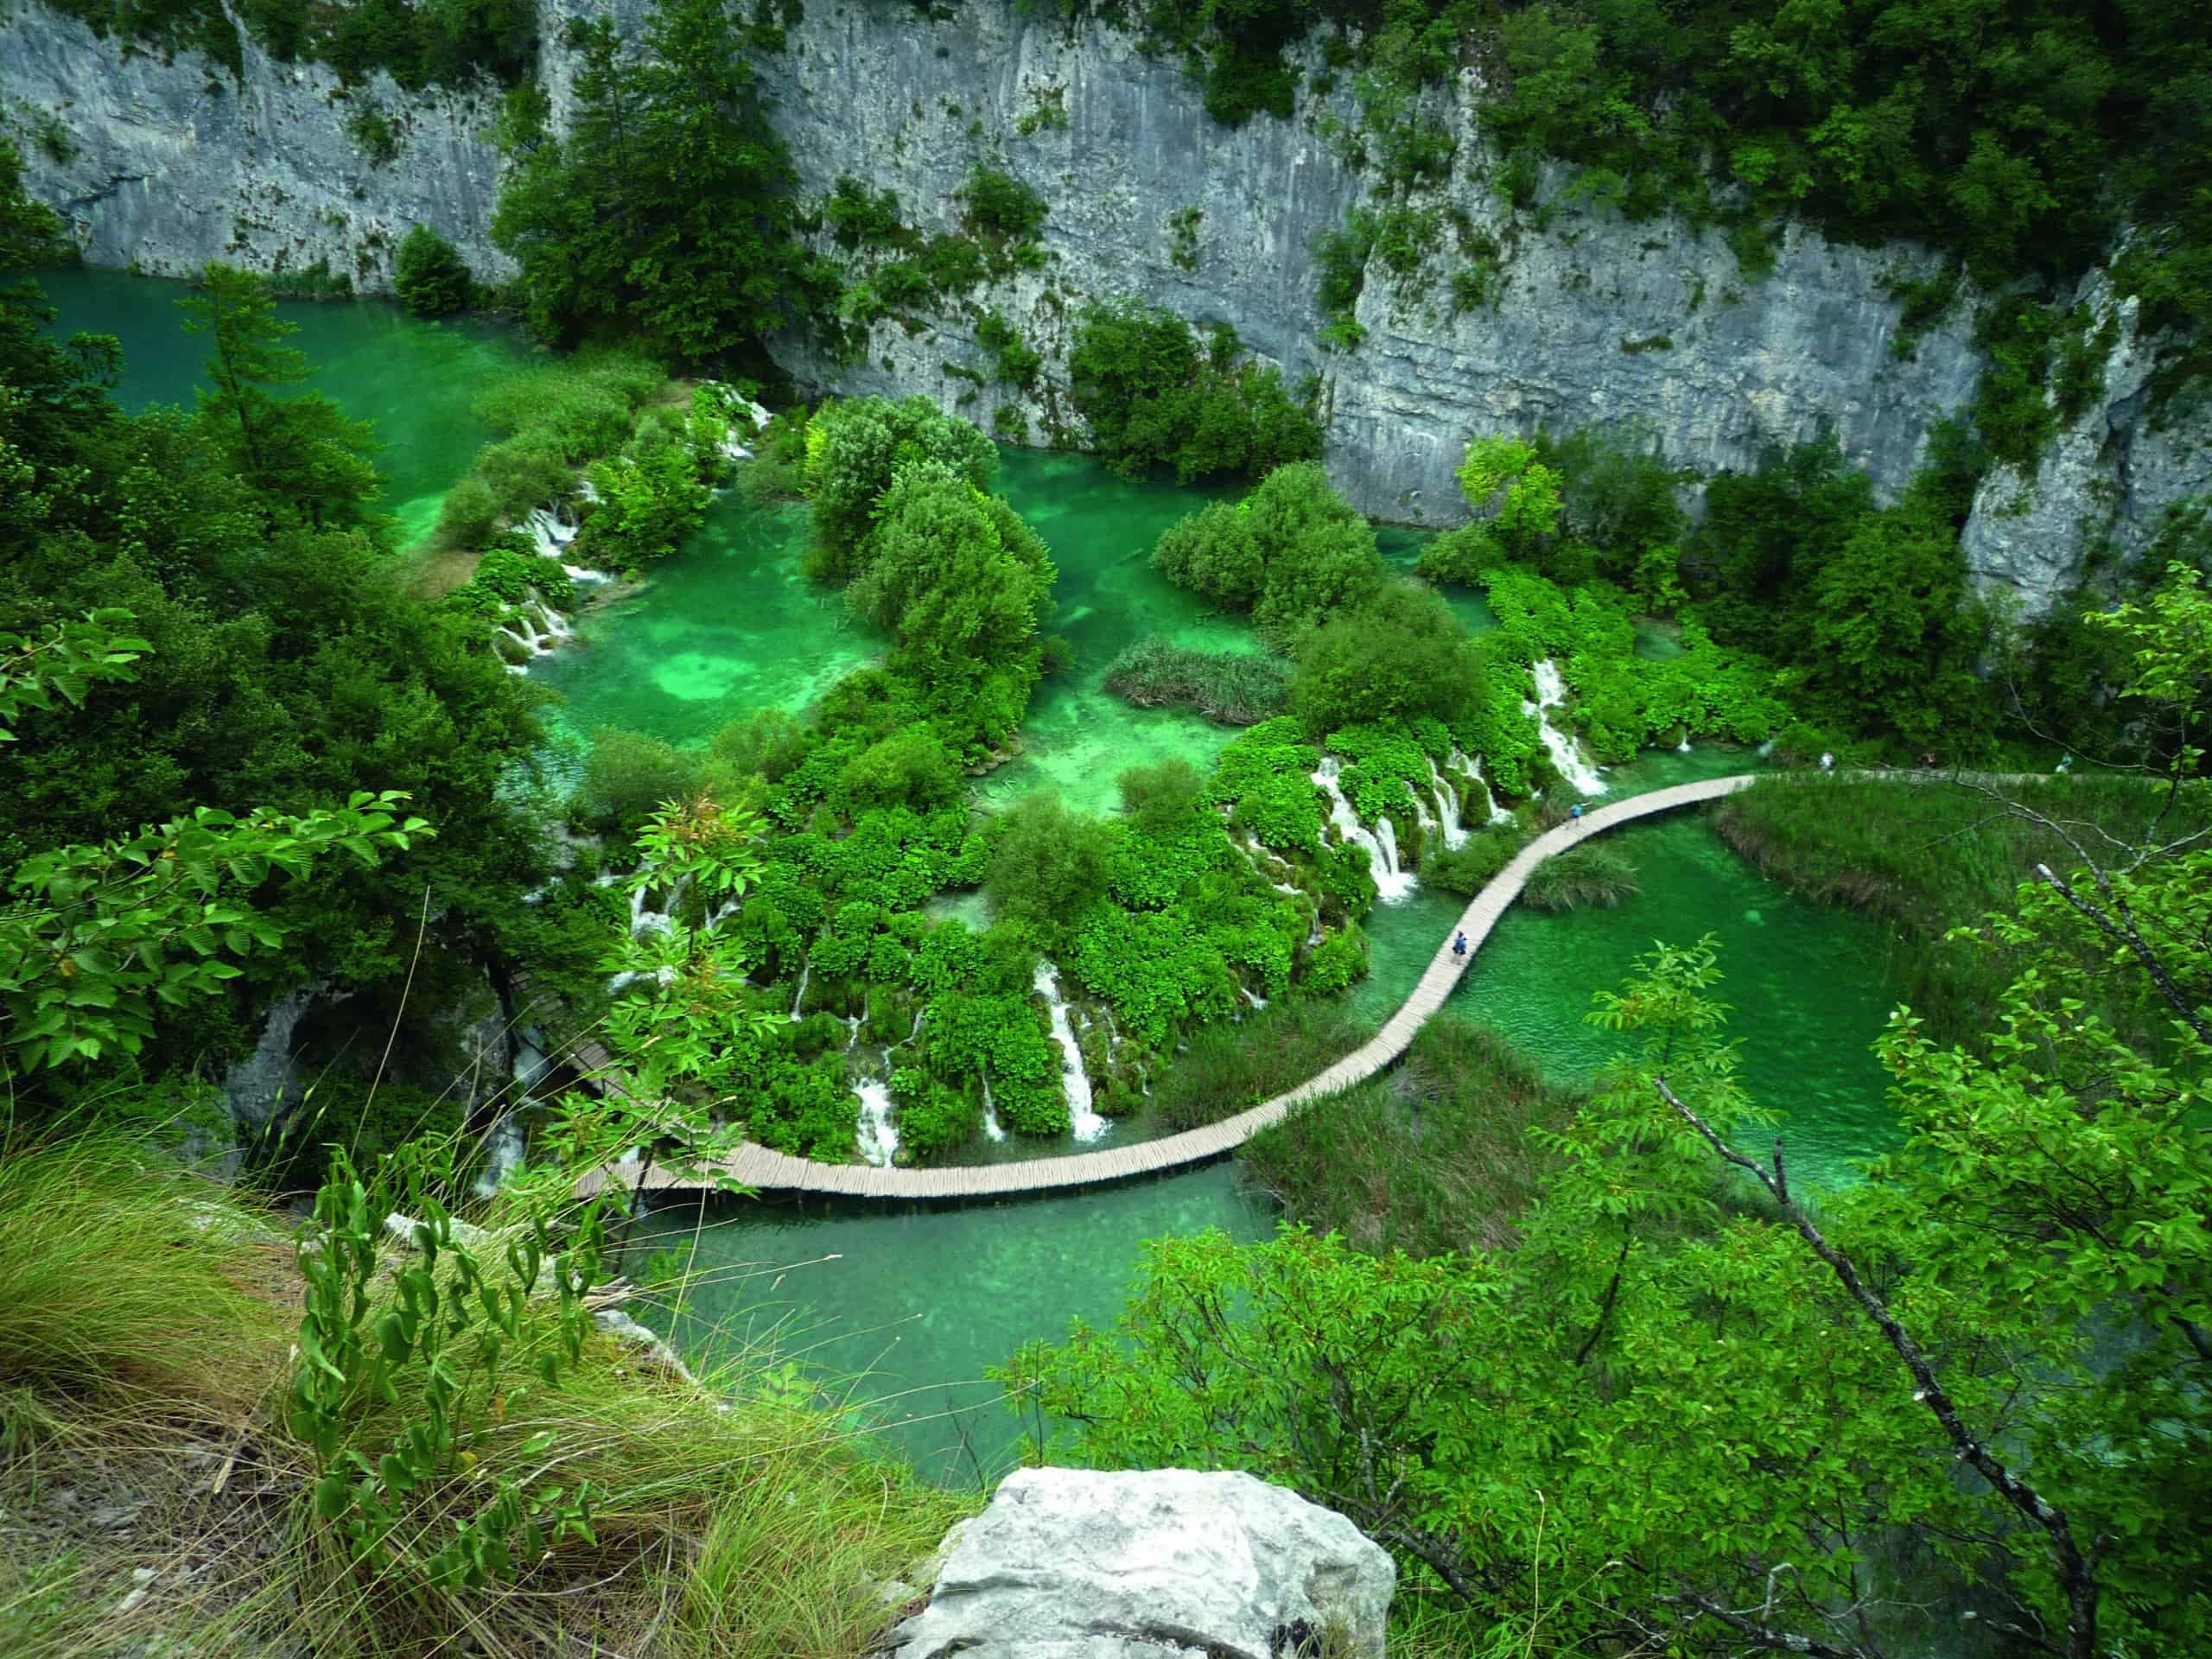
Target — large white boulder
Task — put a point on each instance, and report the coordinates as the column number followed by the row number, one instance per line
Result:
column 1084, row 1564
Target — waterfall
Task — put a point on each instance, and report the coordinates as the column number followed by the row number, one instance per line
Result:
column 1263, row 859
column 1683, row 747
column 1252, row 997
column 1392, row 885
column 1447, row 809
column 1567, row 759
column 643, row 920
column 877, row 1136
column 799, row 995
column 1470, row 767
column 548, row 533
column 1085, row 1121
column 1426, row 819
column 993, row 1129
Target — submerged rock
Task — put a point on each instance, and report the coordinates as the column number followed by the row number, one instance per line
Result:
column 1087, row 1564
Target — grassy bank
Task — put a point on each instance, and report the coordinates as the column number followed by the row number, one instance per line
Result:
column 158, row 1492
column 1226, row 1068
column 1929, row 857
column 1436, row 1156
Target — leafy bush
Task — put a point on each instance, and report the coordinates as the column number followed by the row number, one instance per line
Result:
column 1292, row 550
column 856, row 447
column 628, row 774
column 430, row 276
column 1399, row 654
column 1151, row 398
column 1000, row 206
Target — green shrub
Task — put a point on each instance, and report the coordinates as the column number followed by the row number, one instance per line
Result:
column 628, row 774
column 1594, row 873
column 468, row 515
column 1151, row 398
column 1000, row 206
column 430, row 277
column 1228, row 1068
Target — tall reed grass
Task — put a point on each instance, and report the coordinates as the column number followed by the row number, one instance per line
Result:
column 1929, row 857
column 1435, row 1156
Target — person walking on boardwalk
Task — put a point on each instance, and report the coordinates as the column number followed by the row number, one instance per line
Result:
column 1460, row 945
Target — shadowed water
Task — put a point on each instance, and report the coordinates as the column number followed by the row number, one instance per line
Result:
column 415, row 379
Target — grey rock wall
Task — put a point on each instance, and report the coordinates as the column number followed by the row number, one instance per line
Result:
column 170, row 164
column 1595, row 321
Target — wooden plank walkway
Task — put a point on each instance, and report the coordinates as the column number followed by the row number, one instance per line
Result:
column 754, row 1165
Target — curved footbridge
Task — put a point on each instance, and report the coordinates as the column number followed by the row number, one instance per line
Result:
column 758, row 1167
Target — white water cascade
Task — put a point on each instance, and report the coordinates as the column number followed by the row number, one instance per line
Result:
column 536, row 628
column 1392, row 885
column 1470, row 767
column 1447, row 809
column 1567, row 759
column 993, row 1129
column 798, row 997
column 1083, row 1118
column 877, row 1136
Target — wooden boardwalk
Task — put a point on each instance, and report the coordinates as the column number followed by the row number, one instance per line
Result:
column 753, row 1165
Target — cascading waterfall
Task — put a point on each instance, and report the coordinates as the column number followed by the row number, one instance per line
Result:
column 1447, row 809
column 1567, row 759
column 1392, row 885
column 993, row 1129
column 877, row 1136
column 1083, row 1118
column 798, row 997
column 1469, row 766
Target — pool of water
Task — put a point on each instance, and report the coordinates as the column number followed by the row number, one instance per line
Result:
column 899, row 1310
column 728, row 626
column 1807, row 986
column 415, row 380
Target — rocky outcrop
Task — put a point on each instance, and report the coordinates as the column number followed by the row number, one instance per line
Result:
column 2108, row 479
column 1083, row 1564
column 1590, row 319
column 163, row 165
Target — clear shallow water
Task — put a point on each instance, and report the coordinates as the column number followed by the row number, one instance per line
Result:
column 918, row 1302
column 1808, row 987
column 728, row 626
column 725, row 626
column 416, row 380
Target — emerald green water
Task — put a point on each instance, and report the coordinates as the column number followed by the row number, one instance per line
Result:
column 415, row 380
column 910, row 1306
column 728, row 626
column 900, row 1310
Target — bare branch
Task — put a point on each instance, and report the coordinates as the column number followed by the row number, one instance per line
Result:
column 1765, row 1635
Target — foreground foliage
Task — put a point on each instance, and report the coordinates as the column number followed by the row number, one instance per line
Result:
column 2024, row 1287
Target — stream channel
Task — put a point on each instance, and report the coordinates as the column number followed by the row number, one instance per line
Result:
column 903, row 1308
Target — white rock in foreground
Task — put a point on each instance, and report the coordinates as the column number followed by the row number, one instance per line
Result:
column 1084, row 1564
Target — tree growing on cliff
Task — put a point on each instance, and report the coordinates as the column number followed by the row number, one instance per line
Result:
column 666, row 211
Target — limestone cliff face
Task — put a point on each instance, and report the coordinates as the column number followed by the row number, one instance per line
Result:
column 1594, row 319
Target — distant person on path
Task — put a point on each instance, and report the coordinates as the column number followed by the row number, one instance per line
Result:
column 1828, row 761
column 1460, row 945
column 2065, row 765
column 1574, row 811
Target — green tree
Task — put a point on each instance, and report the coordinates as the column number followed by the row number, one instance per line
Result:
column 856, row 447
column 429, row 275
column 1894, row 633
column 301, row 456
column 1401, row 654
column 1673, row 1418
column 667, row 209
column 1048, row 865
column 960, row 584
